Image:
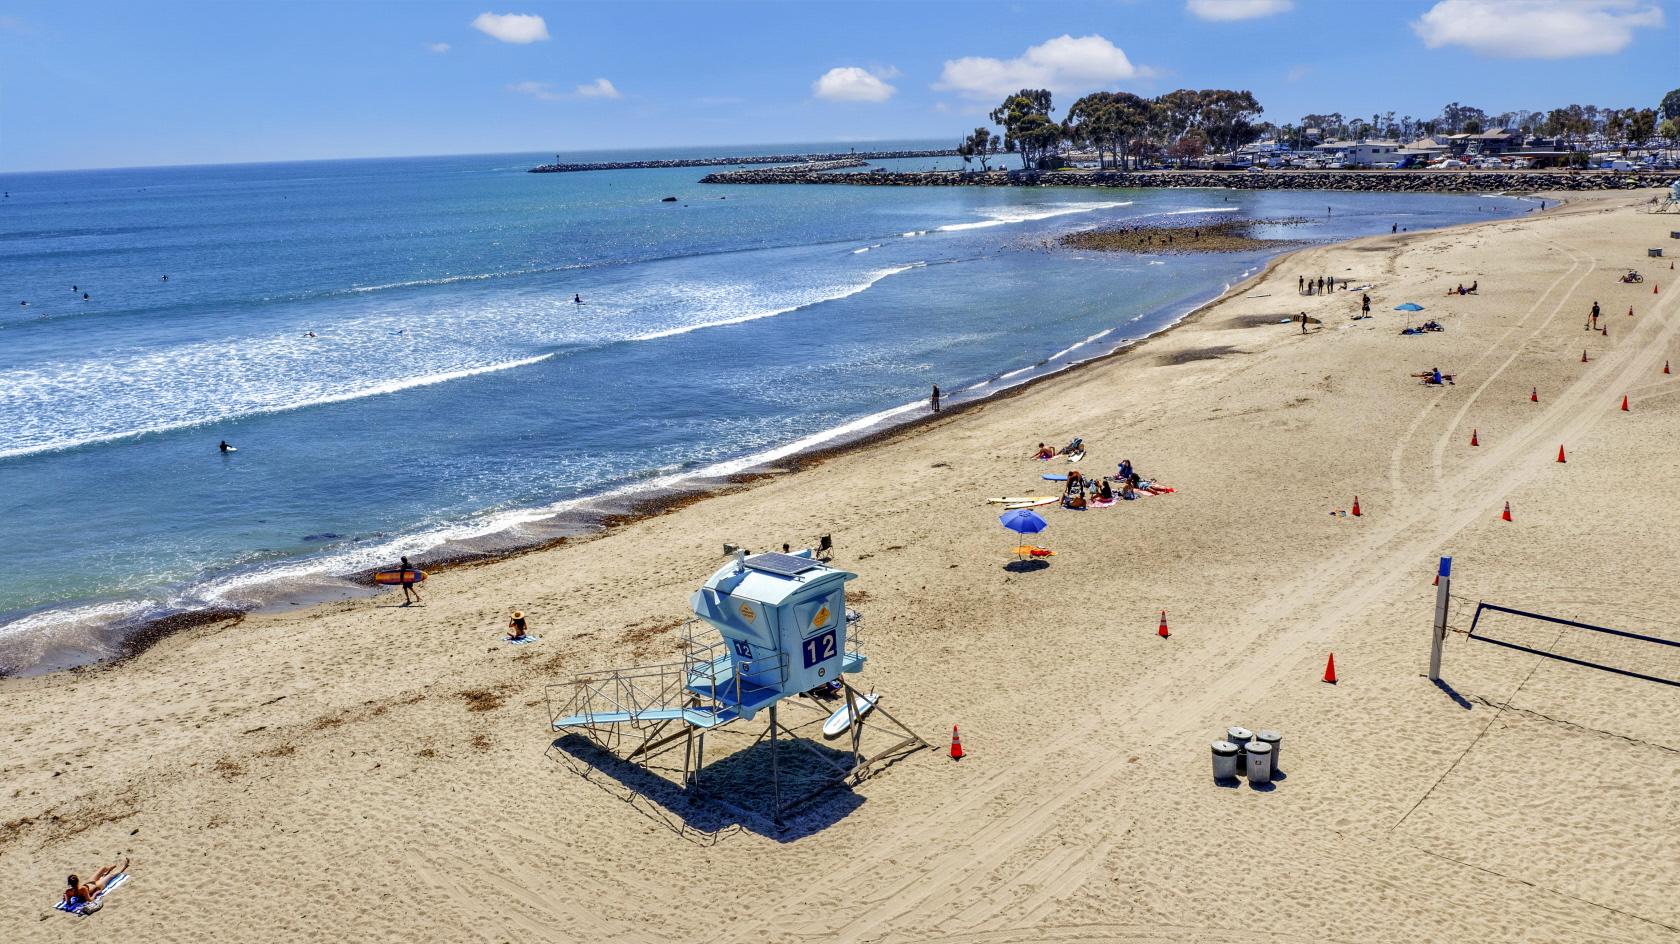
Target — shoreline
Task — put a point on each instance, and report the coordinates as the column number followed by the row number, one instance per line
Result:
column 592, row 516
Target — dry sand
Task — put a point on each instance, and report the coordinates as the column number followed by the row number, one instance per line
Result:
column 370, row 773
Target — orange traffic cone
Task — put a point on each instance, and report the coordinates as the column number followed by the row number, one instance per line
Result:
column 1534, row 395
column 1624, row 403
column 1330, row 669
column 1436, row 582
column 1473, row 440
column 1583, row 355
column 1355, row 511
column 1630, row 311
column 1605, row 330
column 1162, row 632
column 1654, row 285
column 1560, row 454
column 956, row 744
column 1507, row 514
column 1665, row 367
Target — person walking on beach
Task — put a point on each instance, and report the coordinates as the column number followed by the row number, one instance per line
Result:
column 1300, row 285
column 935, row 398
column 1594, row 322
column 409, row 578
column 1394, row 227
column 1364, row 304
column 1321, row 285
column 1303, row 322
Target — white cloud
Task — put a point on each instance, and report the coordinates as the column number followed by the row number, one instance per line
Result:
column 852, row 84
column 512, row 27
column 1536, row 29
column 1297, row 73
column 1062, row 64
column 438, row 47
column 546, row 92
column 542, row 91
column 600, row 88
column 1237, row 9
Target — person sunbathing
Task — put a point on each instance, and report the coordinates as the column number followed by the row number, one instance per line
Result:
column 1127, row 492
column 1125, row 471
column 81, row 894
column 516, row 627
column 1434, row 377
column 1044, row 452
column 1105, row 491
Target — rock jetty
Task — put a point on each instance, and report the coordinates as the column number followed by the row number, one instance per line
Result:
column 859, row 156
column 1385, row 181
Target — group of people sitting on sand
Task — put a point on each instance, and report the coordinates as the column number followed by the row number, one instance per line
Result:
column 1434, row 378
column 1126, row 484
column 1461, row 290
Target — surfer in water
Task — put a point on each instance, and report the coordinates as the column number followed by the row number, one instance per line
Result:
column 411, row 592
column 225, row 446
column 577, row 299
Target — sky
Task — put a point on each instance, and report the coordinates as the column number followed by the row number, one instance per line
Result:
column 118, row 83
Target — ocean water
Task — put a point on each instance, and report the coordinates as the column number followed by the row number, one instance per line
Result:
column 394, row 348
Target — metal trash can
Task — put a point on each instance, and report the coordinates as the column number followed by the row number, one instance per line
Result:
column 1225, row 756
column 1275, row 739
column 1239, row 736
column 1259, row 755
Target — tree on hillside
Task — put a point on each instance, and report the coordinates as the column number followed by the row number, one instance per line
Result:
column 1180, row 111
column 1027, row 128
column 1642, row 124
column 1227, row 118
column 1670, row 106
column 1670, row 128
column 1108, row 121
column 1615, row 123
column 978, row 145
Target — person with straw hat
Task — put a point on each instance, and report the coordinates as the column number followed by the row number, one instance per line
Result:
column 516, row 626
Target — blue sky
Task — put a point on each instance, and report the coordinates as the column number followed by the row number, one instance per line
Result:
column 105, row 84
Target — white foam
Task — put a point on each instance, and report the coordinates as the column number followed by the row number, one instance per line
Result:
column 771, row 312
column 379, row 388
column 1200, row 210
column 1004, row 217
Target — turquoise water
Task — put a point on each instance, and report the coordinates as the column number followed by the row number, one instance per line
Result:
column 394, row 348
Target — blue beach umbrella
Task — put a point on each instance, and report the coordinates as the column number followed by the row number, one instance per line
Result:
column 1409, row 306
column 1022, row 521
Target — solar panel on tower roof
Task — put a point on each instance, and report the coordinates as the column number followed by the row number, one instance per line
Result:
column 782, row 565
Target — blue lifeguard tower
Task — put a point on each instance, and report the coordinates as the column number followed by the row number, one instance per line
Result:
column 768, row 628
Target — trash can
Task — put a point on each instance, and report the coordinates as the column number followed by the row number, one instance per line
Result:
column 1276, row 741
column 1225, row 756
column 1259, row 755
column 1239, row 736
column 1654, row 253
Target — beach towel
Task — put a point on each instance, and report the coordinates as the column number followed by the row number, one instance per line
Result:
column 79, row 910
column 520, row 642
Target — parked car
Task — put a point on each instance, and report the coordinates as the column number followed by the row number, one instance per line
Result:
column 1521, row 163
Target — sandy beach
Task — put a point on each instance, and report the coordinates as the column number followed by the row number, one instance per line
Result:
column 363, row 771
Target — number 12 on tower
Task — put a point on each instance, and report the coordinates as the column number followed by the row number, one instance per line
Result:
column 819, row 648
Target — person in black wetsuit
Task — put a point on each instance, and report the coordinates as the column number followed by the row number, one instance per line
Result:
column 410, row 579
column 225, row 446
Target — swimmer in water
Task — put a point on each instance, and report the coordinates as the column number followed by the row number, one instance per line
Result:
column 166, row 278
column 84, row 296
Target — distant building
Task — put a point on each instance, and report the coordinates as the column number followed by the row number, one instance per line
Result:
column 1359, row 153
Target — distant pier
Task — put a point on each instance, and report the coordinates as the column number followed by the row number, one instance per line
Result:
column 566, row 168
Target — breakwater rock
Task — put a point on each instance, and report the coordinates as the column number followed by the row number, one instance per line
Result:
column 1380, row 181
column 859, row 157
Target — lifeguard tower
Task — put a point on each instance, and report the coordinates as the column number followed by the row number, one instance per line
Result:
column 768, row 628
